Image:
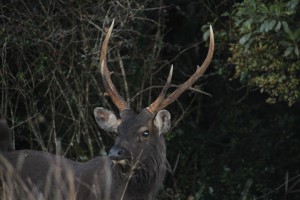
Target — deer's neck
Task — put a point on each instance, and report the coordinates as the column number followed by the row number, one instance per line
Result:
column 146, row 179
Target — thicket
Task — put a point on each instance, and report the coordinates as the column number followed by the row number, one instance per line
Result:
column 227, row 141
column 267, row 54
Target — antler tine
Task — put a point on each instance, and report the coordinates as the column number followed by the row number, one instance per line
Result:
column 105, row 73
column 153, row 107
column 164, row 102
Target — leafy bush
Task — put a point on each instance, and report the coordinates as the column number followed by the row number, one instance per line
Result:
column 266, row 53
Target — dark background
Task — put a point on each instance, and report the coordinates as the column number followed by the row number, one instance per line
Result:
column 234, row 136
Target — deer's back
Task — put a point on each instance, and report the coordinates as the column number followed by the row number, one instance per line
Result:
column 54, row 176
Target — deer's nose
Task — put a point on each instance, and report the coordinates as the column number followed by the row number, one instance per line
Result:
column 118, row 153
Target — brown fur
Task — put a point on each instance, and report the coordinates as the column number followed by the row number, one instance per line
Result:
column 5, row 136
column 137, row 177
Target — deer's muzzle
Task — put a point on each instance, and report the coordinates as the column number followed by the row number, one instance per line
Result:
column 118, row 153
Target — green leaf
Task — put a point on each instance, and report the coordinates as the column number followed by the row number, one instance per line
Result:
column 285, row 43
column 276, row 9
column 271, row 25
column 262, row 27
column 253, row 3
column 292, row 4
column 248, row 23
column 288, row 51
column 225, row 14
column 245, row 38
column 297, row 34
column 264, row 8
column 278, row 26
column 297, row 51
column 206, row 35
column 286, row 27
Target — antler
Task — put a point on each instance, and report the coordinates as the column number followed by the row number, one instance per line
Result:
column 162, row 102
column 105, row 73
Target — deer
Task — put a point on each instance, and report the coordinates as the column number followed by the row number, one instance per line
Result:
column 135, row 166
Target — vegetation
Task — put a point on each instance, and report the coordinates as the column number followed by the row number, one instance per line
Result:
column 235, row 133
column 267, row 54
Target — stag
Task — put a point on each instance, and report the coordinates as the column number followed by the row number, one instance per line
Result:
column 135, row 166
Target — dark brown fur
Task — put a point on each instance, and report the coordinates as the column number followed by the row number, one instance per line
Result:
column 100, row 178
column 5, row 136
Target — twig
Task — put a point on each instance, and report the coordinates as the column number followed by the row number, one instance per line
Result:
column 130, row 174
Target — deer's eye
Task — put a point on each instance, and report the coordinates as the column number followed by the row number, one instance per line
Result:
column 146, row 133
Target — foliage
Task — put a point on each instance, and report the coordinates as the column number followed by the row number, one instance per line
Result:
column 226, row 145
column 266, row 53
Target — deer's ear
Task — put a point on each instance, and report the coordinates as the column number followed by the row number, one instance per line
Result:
column 163, row 121
column 106, row 119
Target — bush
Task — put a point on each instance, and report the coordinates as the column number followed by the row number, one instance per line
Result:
column 266, row 53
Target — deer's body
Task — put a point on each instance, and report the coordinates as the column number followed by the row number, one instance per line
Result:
column 99, row 173
column 100, row 178
column 135, row 167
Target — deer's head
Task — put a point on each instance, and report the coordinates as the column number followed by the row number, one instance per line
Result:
column 140, row 135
